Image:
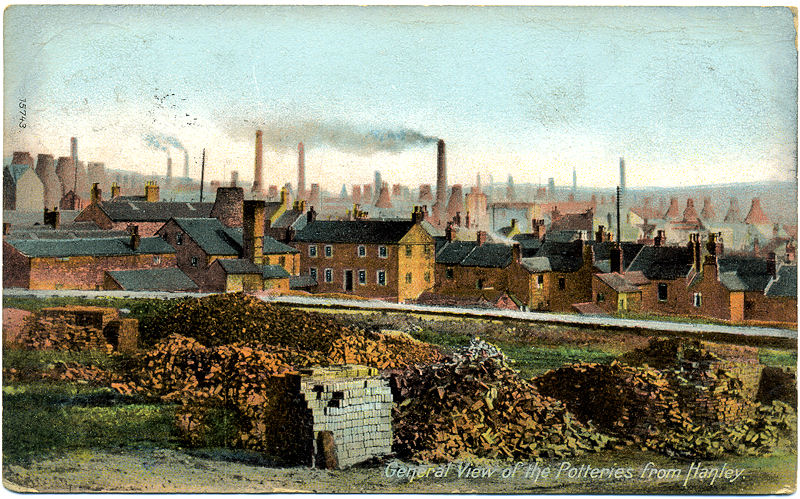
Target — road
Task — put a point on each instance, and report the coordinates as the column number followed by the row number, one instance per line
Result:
column 492, row 314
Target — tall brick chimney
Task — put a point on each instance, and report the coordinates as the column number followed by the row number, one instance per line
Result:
column 151, row 192
column 441, row 176
column 258, row 170
column 169, row 168
column 301, row 171
column 253, row 231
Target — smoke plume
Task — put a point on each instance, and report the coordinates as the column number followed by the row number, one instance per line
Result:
column 340, row 136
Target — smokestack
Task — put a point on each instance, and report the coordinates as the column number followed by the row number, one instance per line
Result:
column 234, row 178
column 301, row 171
column 253, row 231
column 257, row 178
column 313, row 197
column 574, row 181
column 621, row 175
column 384, row 200
column 441, row 175
column 169, row 168
column 74, row 154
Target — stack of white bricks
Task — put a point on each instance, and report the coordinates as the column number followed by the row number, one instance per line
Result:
column 355, row 405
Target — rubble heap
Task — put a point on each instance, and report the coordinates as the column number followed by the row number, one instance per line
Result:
column 475, row 405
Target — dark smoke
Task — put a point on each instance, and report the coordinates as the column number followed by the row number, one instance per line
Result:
column 340, row 136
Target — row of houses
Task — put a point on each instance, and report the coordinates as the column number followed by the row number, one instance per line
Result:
column 238, row 245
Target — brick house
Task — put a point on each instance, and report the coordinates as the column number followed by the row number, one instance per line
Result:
column 79, row 263
column 200, row 242
column 614, row 292
column 243, row 275
column 387, row 259
column 477, row 271
column 669, row 270
column 149, row 216
column 559, row 276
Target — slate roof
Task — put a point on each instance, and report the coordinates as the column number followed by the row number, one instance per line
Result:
column 564, row 257
column 167, row 279
column 662, row 262
column 354, row 231
column 29, row 218
column 65, row 234
column 55, row 248
column 288, row 218
column 216, row 239
column 537, row 264
column 743, row 273
column 301, row 281
column 617, row 282
column 273, row 272
column 212, row 237
column 161, row 211
column 239, row 266
column 785, row 283
column 602, row 251
column 529, row 244
column 574, row 221
column 469, row 254
column 563, row 236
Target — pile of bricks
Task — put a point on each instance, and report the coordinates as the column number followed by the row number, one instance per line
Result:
column 351, row 414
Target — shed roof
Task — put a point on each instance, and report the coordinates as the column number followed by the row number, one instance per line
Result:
column 166, row 279
column 117, row 246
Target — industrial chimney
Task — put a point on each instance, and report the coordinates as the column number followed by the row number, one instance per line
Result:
column 301, row 171
column 441, row 176
column 257, row 178
column 622, row 175
column 169, row 168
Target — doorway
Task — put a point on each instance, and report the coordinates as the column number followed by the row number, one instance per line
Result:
column 348, row 280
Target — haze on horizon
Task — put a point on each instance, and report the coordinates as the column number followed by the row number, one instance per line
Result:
column 688, row 95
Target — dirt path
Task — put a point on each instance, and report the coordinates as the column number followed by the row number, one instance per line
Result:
column 161, row 470
column 13, row 320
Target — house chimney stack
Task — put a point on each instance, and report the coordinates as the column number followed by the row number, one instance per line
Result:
column 448, row 233
column 481, row 237
column 96, row 194
column 516, row 252
column 114, row 190
column 52, row 218
column 135, row 239
column 311, row 215
column 253, row 231
column 771, row 267
column 659, row 239
column 151, row 192
column 599, row 236
column 258, row 173
column 301, row 171
column 537, row 228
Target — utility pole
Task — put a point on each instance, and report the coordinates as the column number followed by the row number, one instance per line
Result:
column 619, row 234
column 203, row 176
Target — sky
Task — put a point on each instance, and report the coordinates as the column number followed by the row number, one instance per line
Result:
column 687, row 95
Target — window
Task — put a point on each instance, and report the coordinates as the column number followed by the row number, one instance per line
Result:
column 562, row 283
column 427, row 276
column 427, row 250
column 328, row 275
column 328, row 251
column 408, row 250
column 313, row 273
column 383, row 252
column 62, row 259
column 178, row 238
column 312, row 250
column 282, row 261
column 662, row 291
column 479, row 284
column 362, row 276
column 156, row 259
column 601, row 297
column 408, row 278
column 194, row 261
column 539, row 281
column 448, row 273
column 381, row 278
column 697, row 299
column 362, row 251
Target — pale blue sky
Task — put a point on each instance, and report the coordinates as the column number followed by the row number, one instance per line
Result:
column 687, row 95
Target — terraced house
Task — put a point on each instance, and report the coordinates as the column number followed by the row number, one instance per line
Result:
column 387, row 259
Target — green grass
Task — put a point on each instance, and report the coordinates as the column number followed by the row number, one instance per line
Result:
column 777, row 358
column 43, row 417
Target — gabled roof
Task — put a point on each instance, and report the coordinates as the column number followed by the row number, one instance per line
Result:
column 617, row 282
column 166, row 279
column 536, row 264
column 288, row 218
column 65, row 234
column 662, row 262
column 530, row 244
column 212, row 236
column 301, row 282
column 564, row 257
column 273, row 272
column 59, row 248
column 489, row 255
column 454, row 252
column 563, row 236
column 602, row 251
column 238, row 266
column 160, row 211
column 574, row 221
column 354, row 231
column 785, row 283
column 741, row 273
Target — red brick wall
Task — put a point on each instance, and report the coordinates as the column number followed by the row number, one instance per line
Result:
column 86, row 272
column 16, row 268
column 609, row 303
column 676, row 302
column 466, row 278
column 759, row 307
column 146, row 229
column 715, row 298
column 345, row 257
column 207, row 281
column 93, row 213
